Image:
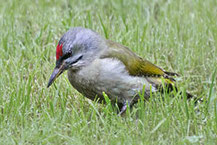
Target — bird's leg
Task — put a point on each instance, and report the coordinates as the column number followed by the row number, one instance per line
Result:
column 123, row 109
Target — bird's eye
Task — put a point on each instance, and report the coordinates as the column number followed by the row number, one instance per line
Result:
column 67, row 55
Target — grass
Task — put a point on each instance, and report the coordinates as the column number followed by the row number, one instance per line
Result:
column 179, row 36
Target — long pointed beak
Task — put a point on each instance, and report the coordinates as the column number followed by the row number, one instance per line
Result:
column 56, row 73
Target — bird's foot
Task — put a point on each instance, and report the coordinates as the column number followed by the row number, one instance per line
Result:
column 123, row 109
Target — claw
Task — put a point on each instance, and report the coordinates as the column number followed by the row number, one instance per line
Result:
column 123, row 109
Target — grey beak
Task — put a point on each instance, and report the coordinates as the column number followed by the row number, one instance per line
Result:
column 56, row 73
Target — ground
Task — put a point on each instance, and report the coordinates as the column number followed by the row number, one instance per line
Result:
column 179, row 36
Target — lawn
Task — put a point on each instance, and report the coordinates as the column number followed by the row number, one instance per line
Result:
column 179, row 36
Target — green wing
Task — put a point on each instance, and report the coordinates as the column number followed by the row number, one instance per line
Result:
column 135, row 65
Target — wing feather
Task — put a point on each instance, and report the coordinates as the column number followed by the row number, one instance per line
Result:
column 135, row 65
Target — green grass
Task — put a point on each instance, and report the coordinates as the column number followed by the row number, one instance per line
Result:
column 179, row 36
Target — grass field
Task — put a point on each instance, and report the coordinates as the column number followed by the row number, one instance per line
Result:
column 179, row 36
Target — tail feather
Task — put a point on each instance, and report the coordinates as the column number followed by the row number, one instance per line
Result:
column 195, row 98
column 171, row 73
column 189, row 96
column 169, row 85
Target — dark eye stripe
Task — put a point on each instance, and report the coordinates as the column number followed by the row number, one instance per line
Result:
column 80, row 57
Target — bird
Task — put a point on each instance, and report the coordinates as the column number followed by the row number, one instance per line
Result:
column 96, row 65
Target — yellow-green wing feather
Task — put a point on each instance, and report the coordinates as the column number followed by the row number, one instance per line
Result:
column 134, row 64
column 137, row 66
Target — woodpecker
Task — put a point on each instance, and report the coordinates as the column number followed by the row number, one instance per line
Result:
column 96, row 65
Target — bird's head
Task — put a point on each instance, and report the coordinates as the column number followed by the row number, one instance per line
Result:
column 76, row 49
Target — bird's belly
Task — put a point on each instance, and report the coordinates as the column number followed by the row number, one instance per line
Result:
column 109, row 76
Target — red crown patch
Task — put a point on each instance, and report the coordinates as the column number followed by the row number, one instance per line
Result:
column 59, row 51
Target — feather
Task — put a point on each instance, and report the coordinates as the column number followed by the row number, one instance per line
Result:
column 135, row 65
